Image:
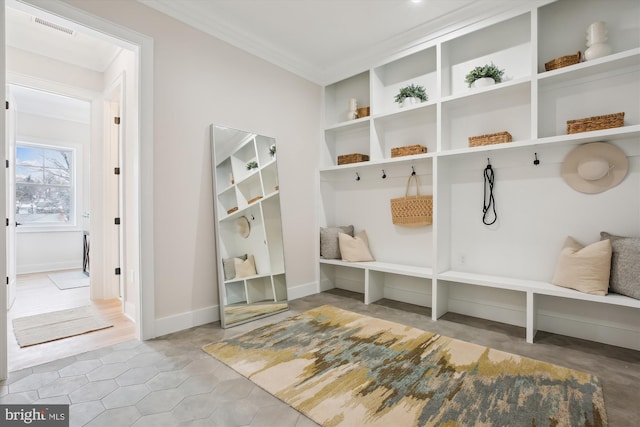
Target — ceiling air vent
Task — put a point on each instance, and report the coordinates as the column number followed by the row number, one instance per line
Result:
column 54, row 26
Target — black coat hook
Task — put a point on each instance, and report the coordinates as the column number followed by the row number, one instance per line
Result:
column 384, row 175
column 357, row 177
column 536, row 161
column 413, row 171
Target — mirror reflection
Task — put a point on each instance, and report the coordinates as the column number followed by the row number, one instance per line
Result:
column 251, row 270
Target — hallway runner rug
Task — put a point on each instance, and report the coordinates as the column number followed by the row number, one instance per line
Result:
column 69, row 279
column 40, row 328
column 345, row 369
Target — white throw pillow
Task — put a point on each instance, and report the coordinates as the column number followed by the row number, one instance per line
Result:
column 355, row 248
column 584, row 268
column 245, row 268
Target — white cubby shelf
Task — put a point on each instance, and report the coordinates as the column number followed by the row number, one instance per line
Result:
column 500, row 272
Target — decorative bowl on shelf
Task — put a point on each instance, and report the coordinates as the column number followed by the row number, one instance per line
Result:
column 411, row 95
column 485, row 75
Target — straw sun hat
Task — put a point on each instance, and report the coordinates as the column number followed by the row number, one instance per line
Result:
column 243, row 226
column 594, row 167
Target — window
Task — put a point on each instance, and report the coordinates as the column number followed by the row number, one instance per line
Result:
column 45, row 190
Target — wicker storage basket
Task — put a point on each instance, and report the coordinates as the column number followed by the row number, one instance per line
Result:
column 232, row 210
column 408, row 150
column 489, row 139
column 563, row 61
column 352, row 158
column 412, row 211
column 595, row 123
column 363, row 112
column 255, row 199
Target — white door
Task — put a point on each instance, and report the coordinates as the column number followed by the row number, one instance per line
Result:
column 113, row 208
column 3, row 295
column 10, row 152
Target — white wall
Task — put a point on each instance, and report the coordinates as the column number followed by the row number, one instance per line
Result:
column 200, row 80
column 38, row 251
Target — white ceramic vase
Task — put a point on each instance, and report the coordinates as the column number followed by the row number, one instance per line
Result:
column 483, row 82
column 597, row 46
column 407, row 102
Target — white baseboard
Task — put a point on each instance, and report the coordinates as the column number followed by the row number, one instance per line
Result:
column 130, row 311
column 190, row 319
column 620, row 333
column 422, row 299
column 301, row 291
column 46, row 267
column 582, row 328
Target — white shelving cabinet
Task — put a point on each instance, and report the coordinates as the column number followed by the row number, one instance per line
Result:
column 499, row 272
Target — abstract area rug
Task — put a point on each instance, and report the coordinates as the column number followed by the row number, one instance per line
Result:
column 69, row 279
column 40, row 328
column 344, row 369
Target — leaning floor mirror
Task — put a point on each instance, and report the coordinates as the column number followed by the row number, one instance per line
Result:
column 251, row 270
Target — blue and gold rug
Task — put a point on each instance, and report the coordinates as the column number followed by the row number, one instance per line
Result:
column 345, row 369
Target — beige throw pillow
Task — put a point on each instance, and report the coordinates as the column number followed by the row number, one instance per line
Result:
column 355, row 248
column 585, row 269
column 245, row 268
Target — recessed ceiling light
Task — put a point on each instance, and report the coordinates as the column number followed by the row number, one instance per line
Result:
column 417, row 1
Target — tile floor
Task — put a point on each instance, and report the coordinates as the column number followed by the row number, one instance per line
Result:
column 170, row 381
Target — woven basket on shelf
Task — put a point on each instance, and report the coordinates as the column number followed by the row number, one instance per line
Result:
column 232, row 210
column 595, row 123
column 408, row 150
column 563, row 61
column 489, row 139
column 254, row 199
column 352, row 158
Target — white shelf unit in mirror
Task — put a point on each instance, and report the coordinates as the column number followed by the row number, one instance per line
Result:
column 248, row 226
column 500, row 272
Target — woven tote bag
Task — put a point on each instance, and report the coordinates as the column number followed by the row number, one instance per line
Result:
column 412, row 211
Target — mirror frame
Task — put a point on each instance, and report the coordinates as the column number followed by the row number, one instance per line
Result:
column 246, row 200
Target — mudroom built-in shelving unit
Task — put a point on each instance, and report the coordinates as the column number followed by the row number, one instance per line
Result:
column 458, row 264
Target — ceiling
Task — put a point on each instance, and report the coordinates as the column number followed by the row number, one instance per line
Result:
column 51, row 37
column 320, row 40
column 327, row 40
column 35, row 32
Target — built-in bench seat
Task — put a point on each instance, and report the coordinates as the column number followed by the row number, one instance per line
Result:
column 374, row 288
column 532, row 288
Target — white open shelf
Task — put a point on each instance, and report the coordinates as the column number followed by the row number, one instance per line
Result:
column 500, row 272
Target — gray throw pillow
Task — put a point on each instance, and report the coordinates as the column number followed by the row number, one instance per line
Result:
column 329, row 245
column 230, row 268
column 625, row 265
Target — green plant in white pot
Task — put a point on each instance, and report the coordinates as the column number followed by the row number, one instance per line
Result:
column 486, row 75
column 410, row 95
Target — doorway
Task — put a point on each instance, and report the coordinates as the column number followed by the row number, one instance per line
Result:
column 106, row 253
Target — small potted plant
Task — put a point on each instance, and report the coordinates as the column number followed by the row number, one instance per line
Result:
column 410, row 95
column 272, row 150
column 252, row 165
column 486, row 75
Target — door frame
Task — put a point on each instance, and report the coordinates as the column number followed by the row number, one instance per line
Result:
column 143, row 46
